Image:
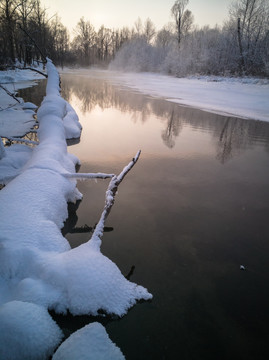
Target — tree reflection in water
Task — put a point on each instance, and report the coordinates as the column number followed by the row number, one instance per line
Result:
column 231, row 135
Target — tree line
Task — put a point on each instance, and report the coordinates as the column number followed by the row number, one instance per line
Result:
column 240, row 46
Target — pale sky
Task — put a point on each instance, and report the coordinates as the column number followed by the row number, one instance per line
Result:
column 118, row 13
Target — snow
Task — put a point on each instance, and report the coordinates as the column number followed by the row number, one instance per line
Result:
column 240, row 97
column 89, row 343
column 16, row 122
column 15, row 158
column 18, row 76
column 246, row 98
column 38, row 269
column 27, row 332
column 16, row 117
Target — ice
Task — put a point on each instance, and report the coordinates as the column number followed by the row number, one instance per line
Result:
column 27, row 332
column 89, row 343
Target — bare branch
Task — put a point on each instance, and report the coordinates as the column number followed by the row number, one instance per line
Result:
column 110, row 199
column 10, row 94
column 84, row 176
column 32, row 69
column 18, row 139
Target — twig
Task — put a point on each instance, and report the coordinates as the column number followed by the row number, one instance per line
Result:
column 22, row 140
column 10, row 94
column 84, row 176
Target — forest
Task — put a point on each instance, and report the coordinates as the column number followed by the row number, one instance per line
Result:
column 239, row 46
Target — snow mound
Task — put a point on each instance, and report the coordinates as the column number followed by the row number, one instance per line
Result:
column 29, row 105
column 27, row 332
column 71, row 123
column 89, row 282
column 15, row 157
column 89, row 343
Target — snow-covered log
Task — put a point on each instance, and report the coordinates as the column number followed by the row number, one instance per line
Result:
column 37, row 265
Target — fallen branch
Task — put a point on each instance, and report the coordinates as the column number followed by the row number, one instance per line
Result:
column 32, row 69
column 110, row 199
column 30, row 142
column 10, row 94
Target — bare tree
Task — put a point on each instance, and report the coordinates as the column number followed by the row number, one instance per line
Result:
column 178, row 12
column 149, row 30
column 164, row 37
column 84, row 40
column 250, row 18
column 138, row 27
column 187, row 22
column 8, row 9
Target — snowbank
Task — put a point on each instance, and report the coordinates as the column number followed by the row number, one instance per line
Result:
column 16, row 117
column 247, row 98
column 241, row 97
column 16, row 76
column 89, row 343
column 37, row 265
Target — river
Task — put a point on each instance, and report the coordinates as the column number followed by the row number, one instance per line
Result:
column 192, row 211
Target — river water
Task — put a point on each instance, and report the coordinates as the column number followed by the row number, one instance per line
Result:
column 192, row 211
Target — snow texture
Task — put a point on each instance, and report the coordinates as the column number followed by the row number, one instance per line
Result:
column 16, row 122
column 16, row 117
column 27, row 332
column 89, row 343
column 247, row 98
column 37, row 265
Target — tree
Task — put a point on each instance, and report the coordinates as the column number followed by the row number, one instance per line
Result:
column 182, row 18
column 25, row 9
column 149, row 30
column 250, row 19
column 138, row 27
column 8, row 9
column 85, row 41
column 164, row 37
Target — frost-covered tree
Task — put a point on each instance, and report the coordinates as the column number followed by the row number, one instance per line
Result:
column 183, row 18
column 249, row 19
column 149, row 30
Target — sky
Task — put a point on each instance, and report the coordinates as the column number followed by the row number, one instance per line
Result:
column 118, row 13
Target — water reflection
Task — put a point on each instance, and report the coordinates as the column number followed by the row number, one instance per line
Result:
column 70, row 225
column 189, row 214
column 174, row 125
column 230, row 135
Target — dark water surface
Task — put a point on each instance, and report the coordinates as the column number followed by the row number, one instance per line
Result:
column 193, row 209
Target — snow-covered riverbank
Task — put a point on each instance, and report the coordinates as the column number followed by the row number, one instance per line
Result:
column 246, row 97
column 38, row 269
